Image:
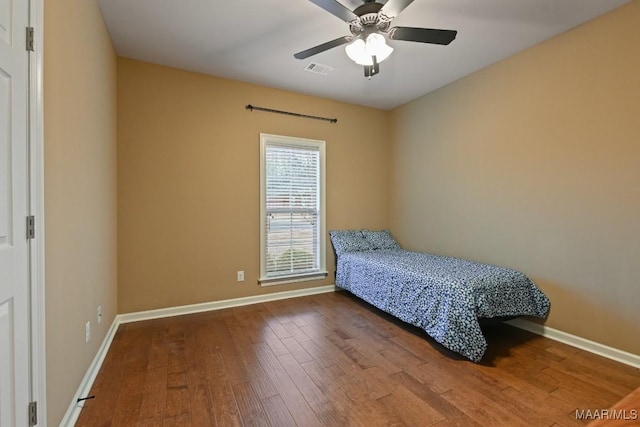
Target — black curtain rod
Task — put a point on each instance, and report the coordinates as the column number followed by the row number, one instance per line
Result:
column 306, row 116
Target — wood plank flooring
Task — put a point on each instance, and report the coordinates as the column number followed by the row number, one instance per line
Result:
column 333, row 360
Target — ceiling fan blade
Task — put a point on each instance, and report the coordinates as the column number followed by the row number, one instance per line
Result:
column 336, row 9
column 422, row 35
column 322, row 47
column 393, row 7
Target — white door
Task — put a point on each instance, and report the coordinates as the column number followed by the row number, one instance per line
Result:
column 14, row 267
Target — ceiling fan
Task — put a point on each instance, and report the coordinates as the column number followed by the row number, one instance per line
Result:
column 370, row 26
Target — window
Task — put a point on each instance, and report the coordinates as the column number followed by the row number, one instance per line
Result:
column 292, row 224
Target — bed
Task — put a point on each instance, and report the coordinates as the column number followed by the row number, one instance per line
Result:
column 444, row 296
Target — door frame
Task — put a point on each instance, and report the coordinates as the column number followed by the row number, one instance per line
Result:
column 36, row 207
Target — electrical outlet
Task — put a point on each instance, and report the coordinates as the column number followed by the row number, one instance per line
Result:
column 240, row 276
column 87, row 331
column 99, row 314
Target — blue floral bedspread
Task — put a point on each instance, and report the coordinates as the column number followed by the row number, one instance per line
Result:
column 442, row 295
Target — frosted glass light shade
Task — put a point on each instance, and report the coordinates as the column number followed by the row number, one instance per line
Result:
column 376, row 45
column 356, row 52
column 361, row 52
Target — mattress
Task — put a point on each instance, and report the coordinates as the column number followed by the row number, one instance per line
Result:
column 444, row 296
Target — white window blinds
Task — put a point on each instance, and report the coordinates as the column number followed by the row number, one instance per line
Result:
column 292, row 208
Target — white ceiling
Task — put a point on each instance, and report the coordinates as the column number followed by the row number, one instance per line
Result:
column 254, row 41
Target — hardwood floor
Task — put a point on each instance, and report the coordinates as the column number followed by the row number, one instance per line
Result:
column 333, row 360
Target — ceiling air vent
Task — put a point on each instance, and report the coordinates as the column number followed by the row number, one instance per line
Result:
column 314, row 67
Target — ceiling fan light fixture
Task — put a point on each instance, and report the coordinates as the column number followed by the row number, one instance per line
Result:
column 356, row 52
column 376, row 45
column 361, row 52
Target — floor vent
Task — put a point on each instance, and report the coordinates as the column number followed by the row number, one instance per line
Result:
column 314, row 67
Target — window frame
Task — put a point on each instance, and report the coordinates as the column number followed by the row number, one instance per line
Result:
column 289, row 141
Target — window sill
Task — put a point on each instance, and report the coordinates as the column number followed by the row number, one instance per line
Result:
column 283, row 280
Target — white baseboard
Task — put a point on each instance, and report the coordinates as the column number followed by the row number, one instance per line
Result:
column 575, row 341
column 219, row 305
column 73, row 412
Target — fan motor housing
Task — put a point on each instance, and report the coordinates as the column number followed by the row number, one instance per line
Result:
column 369, row 19
column 368, row 8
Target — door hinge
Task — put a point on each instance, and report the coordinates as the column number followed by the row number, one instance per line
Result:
column 31, row 227
column 33, row 413
column 30, row 41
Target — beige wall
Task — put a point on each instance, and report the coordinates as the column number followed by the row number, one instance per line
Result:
column 534, row 163
column 188, row 181
column 80, row 192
